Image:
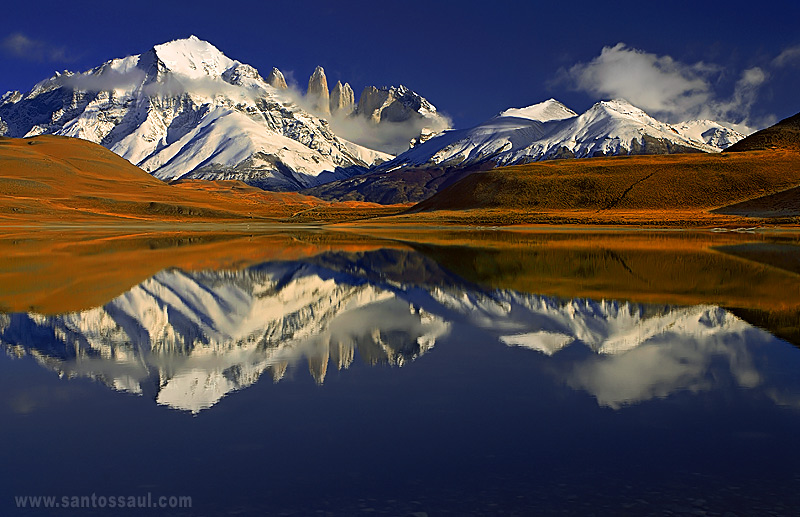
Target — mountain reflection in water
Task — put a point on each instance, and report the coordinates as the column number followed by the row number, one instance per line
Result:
column 187, row 339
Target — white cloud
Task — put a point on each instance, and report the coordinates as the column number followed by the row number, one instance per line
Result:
column 665, row 87
column 108, row 80
column 790, row 56
column 745, row 92
column 21, row 46
column 389, row 137
column 651, row 82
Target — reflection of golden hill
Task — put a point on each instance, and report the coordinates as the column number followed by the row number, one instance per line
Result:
column 648, row 267
column 55, row 272
column 644, row 189
column 51, row 179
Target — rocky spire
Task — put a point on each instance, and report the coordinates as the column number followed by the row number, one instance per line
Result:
column 372, row 102
column 342, row 98
column 276, row 79
column 318, row 91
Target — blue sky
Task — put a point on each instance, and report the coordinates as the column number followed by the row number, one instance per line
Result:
column 738, row 61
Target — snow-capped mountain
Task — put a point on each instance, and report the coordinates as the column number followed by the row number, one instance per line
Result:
column 710, row 132
column 185, row 110
column 188, row 339
column 545, row 111
column 550, row 130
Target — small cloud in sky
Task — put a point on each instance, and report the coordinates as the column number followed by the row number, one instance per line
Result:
column 666, row 87
column 790, row 56
column 23, row 47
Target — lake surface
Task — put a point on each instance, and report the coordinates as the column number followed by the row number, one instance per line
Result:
column 396, row 372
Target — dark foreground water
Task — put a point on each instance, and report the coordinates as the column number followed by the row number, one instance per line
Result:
column 383, row 382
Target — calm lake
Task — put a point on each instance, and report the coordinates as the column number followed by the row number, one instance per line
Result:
column 399, row 372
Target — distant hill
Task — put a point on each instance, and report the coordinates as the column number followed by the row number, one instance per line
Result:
column 783, row 135
column 654, row 183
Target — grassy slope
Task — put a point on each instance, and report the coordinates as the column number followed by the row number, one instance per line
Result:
column 783, row 135
column 684, row 188
column 56, row 179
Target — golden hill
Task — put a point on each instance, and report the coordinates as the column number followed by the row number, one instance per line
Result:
column 783, row 135
column 632, row 188
column 59, row 179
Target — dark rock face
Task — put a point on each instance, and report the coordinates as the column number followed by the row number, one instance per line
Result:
column 651, row 145
column 402, row 186
column 562, row 153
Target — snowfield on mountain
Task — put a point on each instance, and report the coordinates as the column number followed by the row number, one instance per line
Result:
column 550, row 130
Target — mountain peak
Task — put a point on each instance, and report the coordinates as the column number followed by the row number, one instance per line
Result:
column 319, row 72
column 193, row 57
column 277, row 79
column 550, row 109
column 616, row 109
column 318, row 91
column 618, row 105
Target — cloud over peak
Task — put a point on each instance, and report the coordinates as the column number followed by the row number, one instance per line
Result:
column 664, row 86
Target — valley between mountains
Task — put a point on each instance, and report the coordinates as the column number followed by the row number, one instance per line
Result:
column 184, row 134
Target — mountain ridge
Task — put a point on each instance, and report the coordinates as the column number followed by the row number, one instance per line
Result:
column 544, row 131
column 159, row 108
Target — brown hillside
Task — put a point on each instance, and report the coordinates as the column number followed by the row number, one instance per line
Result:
column 674, row 182
column 58, row 179
column 783, row 135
